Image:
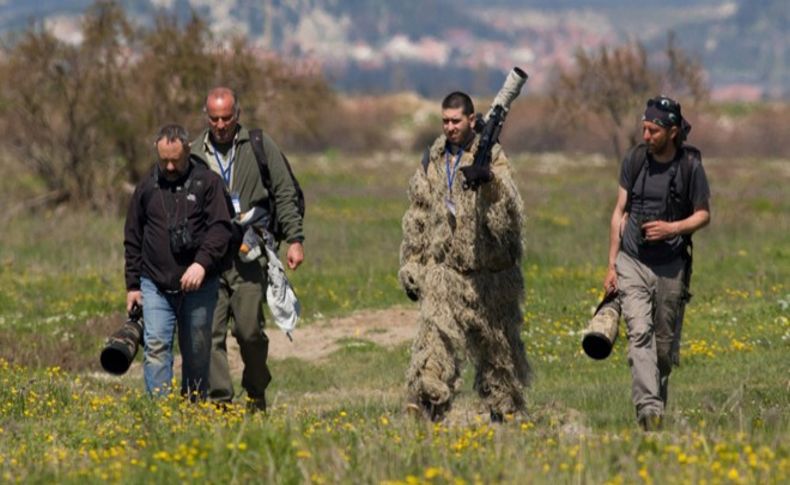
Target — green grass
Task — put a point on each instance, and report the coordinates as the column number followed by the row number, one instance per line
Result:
column 341, row 420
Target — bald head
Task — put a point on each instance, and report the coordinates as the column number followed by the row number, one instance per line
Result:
column 223, row 112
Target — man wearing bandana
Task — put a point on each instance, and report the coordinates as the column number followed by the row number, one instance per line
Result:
column 662, row 199
column 460, row 258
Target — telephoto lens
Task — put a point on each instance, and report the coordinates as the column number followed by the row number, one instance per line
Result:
column 121, row 348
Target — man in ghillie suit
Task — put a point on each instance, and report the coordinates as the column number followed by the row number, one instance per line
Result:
column 460, row 258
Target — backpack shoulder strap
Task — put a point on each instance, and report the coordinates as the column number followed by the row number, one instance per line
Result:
column 426, row 159
column 692, row 157
column 256, row 141
column 635, row 161
column 150, row 183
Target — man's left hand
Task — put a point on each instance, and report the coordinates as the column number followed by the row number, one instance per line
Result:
column 193, row 277
column 295, row 255
column 659, row 230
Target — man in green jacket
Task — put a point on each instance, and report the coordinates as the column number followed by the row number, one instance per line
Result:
column 226, row 148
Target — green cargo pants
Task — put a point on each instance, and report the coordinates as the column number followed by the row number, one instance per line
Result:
column 242, row 292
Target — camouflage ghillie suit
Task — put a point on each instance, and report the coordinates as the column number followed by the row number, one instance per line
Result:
column 465, row 270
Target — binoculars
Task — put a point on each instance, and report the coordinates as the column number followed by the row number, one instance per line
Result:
column 121, row 348
column 181, row 240
column 642, row 219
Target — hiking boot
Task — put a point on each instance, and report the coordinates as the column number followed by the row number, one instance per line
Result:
column 651, row 422
column 256, row 404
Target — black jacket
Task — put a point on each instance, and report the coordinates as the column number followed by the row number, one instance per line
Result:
column 199, row 204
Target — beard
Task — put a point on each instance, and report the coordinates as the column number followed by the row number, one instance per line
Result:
column 659, row 148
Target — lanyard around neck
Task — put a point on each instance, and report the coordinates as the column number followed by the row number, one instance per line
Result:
column 225, row 171
column 452, row 173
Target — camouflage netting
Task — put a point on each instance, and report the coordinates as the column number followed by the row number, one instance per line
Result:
column 465, row 269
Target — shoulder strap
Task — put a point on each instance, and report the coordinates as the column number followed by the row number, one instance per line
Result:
column 682, row 201
column 426, row 159
column 636, row 161
column 256, row 141
column 687, row 166
column 150, row 184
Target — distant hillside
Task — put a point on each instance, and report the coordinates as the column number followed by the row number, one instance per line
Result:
column 433, row 45
column 748, row 48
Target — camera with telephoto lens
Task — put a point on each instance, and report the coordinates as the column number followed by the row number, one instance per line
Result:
column 121, row 347
column 642, row 219
column 181, row 239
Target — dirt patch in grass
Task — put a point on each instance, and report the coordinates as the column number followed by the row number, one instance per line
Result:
column 78, row 349
column 386, row 328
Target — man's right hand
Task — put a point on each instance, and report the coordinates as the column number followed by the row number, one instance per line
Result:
column 610, row 282
column 132, row 297
column 295, row 255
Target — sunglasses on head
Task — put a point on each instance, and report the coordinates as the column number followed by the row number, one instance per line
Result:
column 668, row 105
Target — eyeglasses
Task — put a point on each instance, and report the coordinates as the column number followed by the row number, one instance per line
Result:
column 668, row 105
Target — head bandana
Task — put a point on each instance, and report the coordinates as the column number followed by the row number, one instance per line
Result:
column 665, row 112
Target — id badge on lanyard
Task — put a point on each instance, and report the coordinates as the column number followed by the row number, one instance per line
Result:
column 236, row 200
column 448, row 200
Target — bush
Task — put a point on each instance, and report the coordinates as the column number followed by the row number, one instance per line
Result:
column 83, row 116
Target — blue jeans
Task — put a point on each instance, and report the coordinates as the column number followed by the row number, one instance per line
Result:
column 191, row 313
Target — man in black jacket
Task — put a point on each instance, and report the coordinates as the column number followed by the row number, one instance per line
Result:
column 176, row 239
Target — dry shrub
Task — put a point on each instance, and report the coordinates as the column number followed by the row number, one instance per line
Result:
column 389, row 122
column 742, row 131
column 604, row 88
column 83, row 116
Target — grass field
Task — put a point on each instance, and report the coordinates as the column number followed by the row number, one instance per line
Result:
column 340, row 420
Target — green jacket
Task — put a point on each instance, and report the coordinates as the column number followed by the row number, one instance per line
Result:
column 245, row 179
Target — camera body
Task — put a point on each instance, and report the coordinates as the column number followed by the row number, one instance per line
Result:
column 489, row 127
column 181, row 238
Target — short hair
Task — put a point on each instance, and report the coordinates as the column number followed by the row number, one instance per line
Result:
column 173, row 132
column 220, row 92
column 458, row 99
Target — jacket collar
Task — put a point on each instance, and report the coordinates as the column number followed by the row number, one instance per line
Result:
column 440, row 145
column 242, row 136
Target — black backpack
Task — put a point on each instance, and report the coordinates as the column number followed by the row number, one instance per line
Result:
column 256, row 140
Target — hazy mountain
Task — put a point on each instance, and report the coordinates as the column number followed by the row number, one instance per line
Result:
column 433, row 45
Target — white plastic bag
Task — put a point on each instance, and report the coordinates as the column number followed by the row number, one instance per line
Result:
column 280, row 295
